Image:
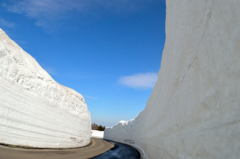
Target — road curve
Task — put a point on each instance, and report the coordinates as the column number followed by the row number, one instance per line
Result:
column 97, row 146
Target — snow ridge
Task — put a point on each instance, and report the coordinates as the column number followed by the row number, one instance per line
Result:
column 193, row 112
column 22, row 69
column 35, row 110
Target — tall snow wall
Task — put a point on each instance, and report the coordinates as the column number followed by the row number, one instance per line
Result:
column 194, row 110
column 36, row 111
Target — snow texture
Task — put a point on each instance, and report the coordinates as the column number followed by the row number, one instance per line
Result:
column 194, row 110
column 35, row 110
column 97, row 134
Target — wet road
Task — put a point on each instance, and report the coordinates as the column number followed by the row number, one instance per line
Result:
column 120, row 151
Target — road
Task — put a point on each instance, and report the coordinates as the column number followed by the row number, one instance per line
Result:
column 97, row 146
column 120, row 151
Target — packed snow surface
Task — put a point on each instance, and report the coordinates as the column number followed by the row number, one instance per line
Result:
column 194, row 110
column 97, row 134
column 35, row 110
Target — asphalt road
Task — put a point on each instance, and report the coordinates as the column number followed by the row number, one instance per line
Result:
column 120, row 151
column 97, row 146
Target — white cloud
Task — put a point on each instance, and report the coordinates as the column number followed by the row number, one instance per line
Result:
column 141, row 80
column 44, row 8
column 45, row 11
column 5, row 23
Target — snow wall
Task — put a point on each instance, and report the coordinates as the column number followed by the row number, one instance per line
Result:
column 35, row 111
column 194, row 110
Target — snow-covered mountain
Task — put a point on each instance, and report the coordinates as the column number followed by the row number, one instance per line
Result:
column 194, row 110
column 35, row 110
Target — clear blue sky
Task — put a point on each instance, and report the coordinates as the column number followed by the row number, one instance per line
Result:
column 109, row 51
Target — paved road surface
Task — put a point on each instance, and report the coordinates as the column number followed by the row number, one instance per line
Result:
column 98, row 146
column 120, row 151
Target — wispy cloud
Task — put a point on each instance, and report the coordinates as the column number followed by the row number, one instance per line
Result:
column 141, row 80
column 44, row 8
column 6, row 23
column 45, row 11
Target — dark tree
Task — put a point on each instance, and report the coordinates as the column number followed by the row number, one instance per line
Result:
column 98, row 127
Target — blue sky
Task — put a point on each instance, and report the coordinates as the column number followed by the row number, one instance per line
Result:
column 109, row 51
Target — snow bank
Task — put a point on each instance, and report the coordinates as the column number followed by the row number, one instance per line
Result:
column 97, row 134
column 194, row 109
column 35, row 110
